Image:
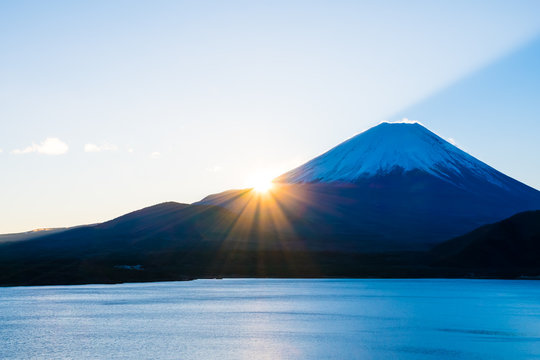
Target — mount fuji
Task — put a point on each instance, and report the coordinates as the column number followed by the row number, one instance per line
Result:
column 395, row 186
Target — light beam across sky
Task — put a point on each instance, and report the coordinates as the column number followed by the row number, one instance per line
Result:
column 107, row 107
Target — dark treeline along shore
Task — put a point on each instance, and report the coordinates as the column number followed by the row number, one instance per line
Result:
column 394, row 201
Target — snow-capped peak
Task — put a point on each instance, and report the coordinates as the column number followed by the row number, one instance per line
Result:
column 388, row 147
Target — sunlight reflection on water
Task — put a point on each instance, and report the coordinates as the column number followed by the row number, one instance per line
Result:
column 274, row 319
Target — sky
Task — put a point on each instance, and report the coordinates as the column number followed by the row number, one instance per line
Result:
column 110, row 106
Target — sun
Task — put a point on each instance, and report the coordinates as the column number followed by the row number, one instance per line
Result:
column 261, row 183
column 263, row 186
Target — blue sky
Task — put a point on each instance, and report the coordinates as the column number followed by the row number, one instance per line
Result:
column 109, row 106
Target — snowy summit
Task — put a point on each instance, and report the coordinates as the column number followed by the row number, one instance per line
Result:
column 390, row 147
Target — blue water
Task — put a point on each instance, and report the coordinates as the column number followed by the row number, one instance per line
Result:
column 274, row 319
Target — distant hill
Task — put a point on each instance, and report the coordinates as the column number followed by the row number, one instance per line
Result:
column 5, row 238
column 513, row 243
column 158, row 236
column 141, row 232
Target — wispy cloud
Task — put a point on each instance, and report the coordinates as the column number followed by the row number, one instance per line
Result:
column 155, row 155
column 50, row 146
column 98, row 148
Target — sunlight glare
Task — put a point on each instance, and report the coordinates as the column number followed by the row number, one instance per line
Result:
column 261, row 183
column 263, row 187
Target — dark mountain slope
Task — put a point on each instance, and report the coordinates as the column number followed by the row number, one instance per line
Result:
column 146, row 230
column 375, row 215
column 28, row 235
column 152, row 236
column 508, row 249
column 512, row 243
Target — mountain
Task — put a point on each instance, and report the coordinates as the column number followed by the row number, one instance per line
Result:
column 513, row 243
column 374, row 206
column 396, row 186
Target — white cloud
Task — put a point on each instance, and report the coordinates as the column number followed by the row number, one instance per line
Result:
column 97, row 148
column 155, row 155
column 405, row 121
column 452, row 141
column 50, row 146
column 91, row 148
column 130, row 150
column 26, row 150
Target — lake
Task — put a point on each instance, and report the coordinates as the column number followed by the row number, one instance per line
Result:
column 274, row 319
